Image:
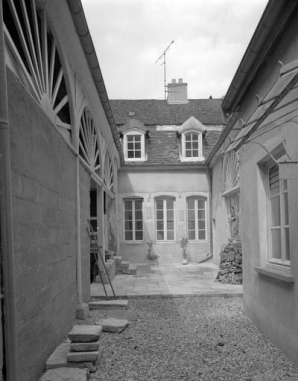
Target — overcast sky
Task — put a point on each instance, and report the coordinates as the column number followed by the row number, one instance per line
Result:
column 210, row 38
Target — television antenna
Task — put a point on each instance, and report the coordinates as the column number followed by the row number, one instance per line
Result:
column 165, row 66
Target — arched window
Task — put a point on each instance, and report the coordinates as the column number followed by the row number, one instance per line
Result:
column 197, row 218
column 35, row 58
column 165, row 218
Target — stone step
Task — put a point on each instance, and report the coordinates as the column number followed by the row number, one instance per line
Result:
column 108, row 304
column 132, row 269
column 85, row 333
column 63, row 374
column 113, row 325
column 84, row 347
column 58, row 359
column 122, row 267
column 82, row 356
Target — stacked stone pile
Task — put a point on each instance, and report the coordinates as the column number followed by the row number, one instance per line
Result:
column 84, row 343
column 230, row 267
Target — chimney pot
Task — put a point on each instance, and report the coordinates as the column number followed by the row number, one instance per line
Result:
column 180, row 80
column 173, row 80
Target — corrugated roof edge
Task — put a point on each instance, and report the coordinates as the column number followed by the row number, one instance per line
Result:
column 80, row 23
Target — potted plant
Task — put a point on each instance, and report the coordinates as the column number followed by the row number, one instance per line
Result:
column 183, row 245
column 150, row 255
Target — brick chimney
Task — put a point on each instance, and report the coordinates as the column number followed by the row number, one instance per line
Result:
column 177, row 92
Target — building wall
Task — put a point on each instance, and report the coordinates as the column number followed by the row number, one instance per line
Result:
column 272, row 304
column 220, row 227
column 43, row 182
column 148, row 185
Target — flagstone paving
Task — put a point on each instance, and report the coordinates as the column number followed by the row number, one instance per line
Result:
column 171, row 280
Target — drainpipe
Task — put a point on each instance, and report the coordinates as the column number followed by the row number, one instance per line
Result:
column 10, row 338
column 209, row 179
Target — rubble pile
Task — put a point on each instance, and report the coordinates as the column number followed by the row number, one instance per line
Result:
column 230, row 266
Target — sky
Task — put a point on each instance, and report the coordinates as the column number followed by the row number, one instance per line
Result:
column 210, row 38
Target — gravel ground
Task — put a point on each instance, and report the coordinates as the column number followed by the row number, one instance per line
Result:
column 190, row 338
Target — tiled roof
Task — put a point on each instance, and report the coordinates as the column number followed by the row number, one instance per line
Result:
column 159, row 112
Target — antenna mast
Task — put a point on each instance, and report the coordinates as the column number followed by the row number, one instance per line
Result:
column 164, row 69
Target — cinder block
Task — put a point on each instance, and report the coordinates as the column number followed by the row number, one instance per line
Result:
column 85, row 333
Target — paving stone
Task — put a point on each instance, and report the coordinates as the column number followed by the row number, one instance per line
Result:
column 84, row 333
column 58, row 359
column 113, row 325
column 82, row 356
column 65, row 374
column 84, row 347
column 108, row 304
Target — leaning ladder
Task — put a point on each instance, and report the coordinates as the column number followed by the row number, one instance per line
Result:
column 97, row 254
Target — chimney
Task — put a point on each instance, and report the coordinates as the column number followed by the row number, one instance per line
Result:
column 177, row 92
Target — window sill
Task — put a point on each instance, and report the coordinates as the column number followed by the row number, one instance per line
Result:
column 283, row 276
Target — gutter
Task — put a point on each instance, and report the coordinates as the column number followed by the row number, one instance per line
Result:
column 80, row 23
column 6, row 225
column 273, row 21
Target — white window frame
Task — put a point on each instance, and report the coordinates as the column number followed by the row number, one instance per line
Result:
column 196, row 198
column 165, row 220
column 125, row 146
column 200, row 156
column 134, row 240
column 283, row 190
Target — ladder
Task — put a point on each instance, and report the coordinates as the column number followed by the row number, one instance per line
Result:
column 97, row 254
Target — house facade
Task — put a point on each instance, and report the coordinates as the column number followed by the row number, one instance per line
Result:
column 164, row 186
column 59, row 146
column 260, row 141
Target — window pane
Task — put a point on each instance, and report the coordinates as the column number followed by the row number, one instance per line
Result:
column 128, row 225
column 130, row 146
column 201, row 214
column 201, row 225
column 188, row 145
column 159, row 214
column 195, row 145
column 191, row 224
column 138, row 205
column 191, row 214
column 160, row 235
column 159, row 204
column 139, row 225
column 170, row 204
column 170, row 215
column 138, row 146
column 191, row 235
column 128, row 205
column 191, row 204
column 159, row 225
column 287, row 244
column 195, row 153
column 138, row 215
column 170, row 236
column 128, row 215
column 188, row 153
column 138, row 154
column 276, row 243
column 170, row 225
column 202, row 234
column 275, row 211
column 187, row 137
column 130, row 138
column 139, row 236
column 137, row 138
column 128, row 236
column 130, row 154
column 201, row 204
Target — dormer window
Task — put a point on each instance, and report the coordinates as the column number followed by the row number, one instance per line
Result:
column 191, row 142
column 192, row 145
column 134, row 146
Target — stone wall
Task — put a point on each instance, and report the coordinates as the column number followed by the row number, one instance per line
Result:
column 43, row 182
column 230, row 266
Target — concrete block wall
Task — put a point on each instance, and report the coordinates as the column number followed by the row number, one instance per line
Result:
column 43, row 182
column 85, row 242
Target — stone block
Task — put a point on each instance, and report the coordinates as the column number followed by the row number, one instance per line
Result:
column 113, row 325
column 82, row 356
column 65, row 374
column 85, row 333
column 84, row 347
column 82, row 311
column 132, row 269
column 118, row 259
column 108, row 304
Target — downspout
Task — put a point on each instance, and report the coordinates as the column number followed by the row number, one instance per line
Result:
column 10, row 336
column 209, row 179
